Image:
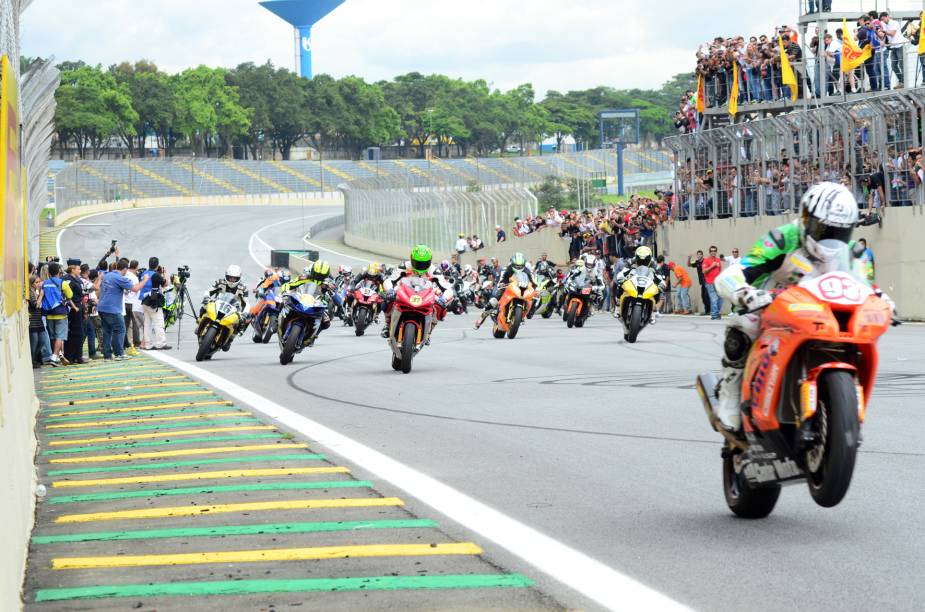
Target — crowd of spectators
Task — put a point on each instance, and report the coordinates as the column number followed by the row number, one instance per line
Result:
column 79, row 312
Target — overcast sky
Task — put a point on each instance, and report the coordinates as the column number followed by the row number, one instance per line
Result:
column 563, row 45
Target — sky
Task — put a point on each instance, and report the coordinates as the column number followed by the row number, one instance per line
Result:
column 563, row 45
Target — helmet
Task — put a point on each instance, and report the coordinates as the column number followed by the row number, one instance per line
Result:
column 421, row 256
column 284, row 277
column 589, row 260
column 306, row 272
column 340, row 269
column 461, row 235
column 233, row 273
column 346, row 270
column 518, row 261
column 467, row 269
column 643, row 256
column 829, row 212
column 268, row 273
column 320, row 270
column 445, row 266
column 374, row 269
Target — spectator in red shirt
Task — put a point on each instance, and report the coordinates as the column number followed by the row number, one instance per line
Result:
column 712, row 266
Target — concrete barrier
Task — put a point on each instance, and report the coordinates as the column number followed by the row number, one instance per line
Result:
column 532, row 246
column 260, row 199
column 18, row 407
column 898, row 255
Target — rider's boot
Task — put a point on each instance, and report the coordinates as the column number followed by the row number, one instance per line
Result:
column 489, row 310
column 728, row 409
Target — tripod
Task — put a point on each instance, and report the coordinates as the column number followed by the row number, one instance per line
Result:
column 183, row 298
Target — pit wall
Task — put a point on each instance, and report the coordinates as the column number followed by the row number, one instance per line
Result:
column 278, row 199
column 18, row 408
column 897, row 248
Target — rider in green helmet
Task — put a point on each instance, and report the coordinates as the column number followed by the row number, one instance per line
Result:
column 419, row 264
column 421, row 258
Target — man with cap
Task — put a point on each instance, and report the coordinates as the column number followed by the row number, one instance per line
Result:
column 74, row 345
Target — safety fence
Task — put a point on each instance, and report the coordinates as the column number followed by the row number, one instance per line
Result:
column 763, row 167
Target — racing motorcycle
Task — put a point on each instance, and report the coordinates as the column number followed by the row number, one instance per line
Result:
column 217, row 325
column 366, row 306
column 805, row 388
column 638, row 301
column 514, row 303
column 264, row 321
column 339, row 301
column 577, row 300
column 543, row 303
column 300, row 320
column 412, row 317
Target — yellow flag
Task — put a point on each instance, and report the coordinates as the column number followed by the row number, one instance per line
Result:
column 734, row 93
column 786, row 71
column 701, row 95
column 851, row 55
column 921, row 33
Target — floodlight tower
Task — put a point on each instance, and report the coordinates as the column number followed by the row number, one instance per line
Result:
column 302, row 15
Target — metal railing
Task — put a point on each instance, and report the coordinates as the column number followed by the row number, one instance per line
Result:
column 763, row 167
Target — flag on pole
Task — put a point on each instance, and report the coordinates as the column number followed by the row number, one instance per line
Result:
column 851, row 55
column 787, row 77
column 921, row 37
column 701, row 95
column 734, row 94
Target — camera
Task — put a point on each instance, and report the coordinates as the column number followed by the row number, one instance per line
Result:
column 184, row 273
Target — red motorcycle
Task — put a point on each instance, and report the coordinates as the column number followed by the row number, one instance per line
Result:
column 412, row 317
column 366, row 306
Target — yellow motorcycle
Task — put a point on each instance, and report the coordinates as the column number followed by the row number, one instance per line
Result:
column 218, row 323
column 638, row 301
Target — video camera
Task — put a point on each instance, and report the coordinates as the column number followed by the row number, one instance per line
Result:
column 183, row 273
column 112, row 249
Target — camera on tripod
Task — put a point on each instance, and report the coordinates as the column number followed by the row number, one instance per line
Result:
column 183, row 273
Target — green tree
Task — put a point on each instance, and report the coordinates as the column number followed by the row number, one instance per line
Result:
column 365, row 119
column 153, row 99
column 208, row 112
column 257, row 90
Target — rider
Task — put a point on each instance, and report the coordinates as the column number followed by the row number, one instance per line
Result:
column 518, row 264
column 828, row 212
column 373, row 273
column 319, row 273
column 419, row 265
column 642, row 257
column 231, row 283
column 271, row 280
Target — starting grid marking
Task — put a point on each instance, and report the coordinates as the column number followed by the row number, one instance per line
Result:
column 91, row 409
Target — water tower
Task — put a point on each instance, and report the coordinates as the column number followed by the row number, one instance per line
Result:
column 302, row 15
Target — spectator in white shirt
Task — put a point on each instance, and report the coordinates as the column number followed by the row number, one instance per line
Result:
column 461, row 243
column 896, row 42
column 134, row 315
column 734, row 259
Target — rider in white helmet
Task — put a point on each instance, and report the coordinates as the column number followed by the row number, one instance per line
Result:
column 231, row 283
column 828, row 217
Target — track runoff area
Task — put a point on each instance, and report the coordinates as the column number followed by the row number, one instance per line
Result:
column 561, row 469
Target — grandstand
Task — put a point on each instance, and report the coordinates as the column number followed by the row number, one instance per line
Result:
column 109, row 180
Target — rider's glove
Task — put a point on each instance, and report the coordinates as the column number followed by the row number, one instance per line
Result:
column 389, row 295
column 751, row 299
column 441, row 301
column 883, row 296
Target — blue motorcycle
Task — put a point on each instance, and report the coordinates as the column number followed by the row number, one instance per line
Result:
column 339, row 302
column 266, row 315
column 301, row 319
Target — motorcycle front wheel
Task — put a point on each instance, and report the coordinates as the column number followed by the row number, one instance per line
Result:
column 409, row 337
column 291, row 344
column 206, row 340
column 635, row 323
column 831, row 462
column 271, row 325
column 571, row 314
column 516, row 319
column 361, row 319
column 742, row 499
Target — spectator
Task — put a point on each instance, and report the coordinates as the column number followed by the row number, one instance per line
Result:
column 684, row 288
column 477, row 243
column 38, row 337
column 112, row 311
column 734, row 259
column 73, row 347
column 867, row 260
column 500, row 236
column 896, row 44
column 712, row 266
column 704, row 294
column 134, row 317
column 92, row 326
column 461, row 243
column 56, row 304
column 152, row 302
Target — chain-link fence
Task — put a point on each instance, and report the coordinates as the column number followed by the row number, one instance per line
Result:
column 763, row 167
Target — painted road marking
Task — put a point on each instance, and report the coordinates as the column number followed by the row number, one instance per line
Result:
column 122, row 399
column 236, row 530
column 593, row 579
column 205, row 489
column 177, row 453
column 192, row 408
column 270, row 554
column 142, row 408
column 291, row 504
column 182, row 432
column 166, row 465
column 159, row 427
column 102, row 482
column 87, row 449
column 126, row 388
column 302, row 585
column 182, row 417
column 96, row 385
column 61, row 380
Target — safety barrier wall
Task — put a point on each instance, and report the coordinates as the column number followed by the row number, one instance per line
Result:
column 532, row 246
column 388, row 220
column 897, row 250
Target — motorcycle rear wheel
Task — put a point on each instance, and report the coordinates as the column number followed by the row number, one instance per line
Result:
column 837, row 423
column 635, row 323
column 206, row 340
column 409, row 337
column 291, row 344
column 742, row 499
column 516, row 319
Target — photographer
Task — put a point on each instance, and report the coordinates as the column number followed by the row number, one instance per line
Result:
column 111, row 308
column 73, row 346
column 154, row 281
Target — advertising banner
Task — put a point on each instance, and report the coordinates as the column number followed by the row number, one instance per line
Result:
column 12, row 284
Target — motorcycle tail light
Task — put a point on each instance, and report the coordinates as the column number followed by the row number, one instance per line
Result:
column 808, row 397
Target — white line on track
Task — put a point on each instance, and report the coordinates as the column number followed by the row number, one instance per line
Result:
column 596, row 581
column 326, row 250
column 256, row 236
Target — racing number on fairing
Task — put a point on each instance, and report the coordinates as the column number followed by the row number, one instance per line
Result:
column 840, row 288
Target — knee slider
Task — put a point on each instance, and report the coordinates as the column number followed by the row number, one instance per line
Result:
column 736, row 347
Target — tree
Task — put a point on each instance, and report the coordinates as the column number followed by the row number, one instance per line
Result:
column 257, row 90
column 153, row 98
column 365, row 119
column 323, row 110
column 288, row 111
column 208, row 112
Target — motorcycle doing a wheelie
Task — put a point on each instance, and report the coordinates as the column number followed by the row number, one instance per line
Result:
column 804, row 391
column 218, row 323
column 577, row 300
column 413, row 314
column 366, row 306
column 514, row 304
column 638, row 300
column 300, row 320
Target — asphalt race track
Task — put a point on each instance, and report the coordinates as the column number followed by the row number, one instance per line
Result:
column 596, row 443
